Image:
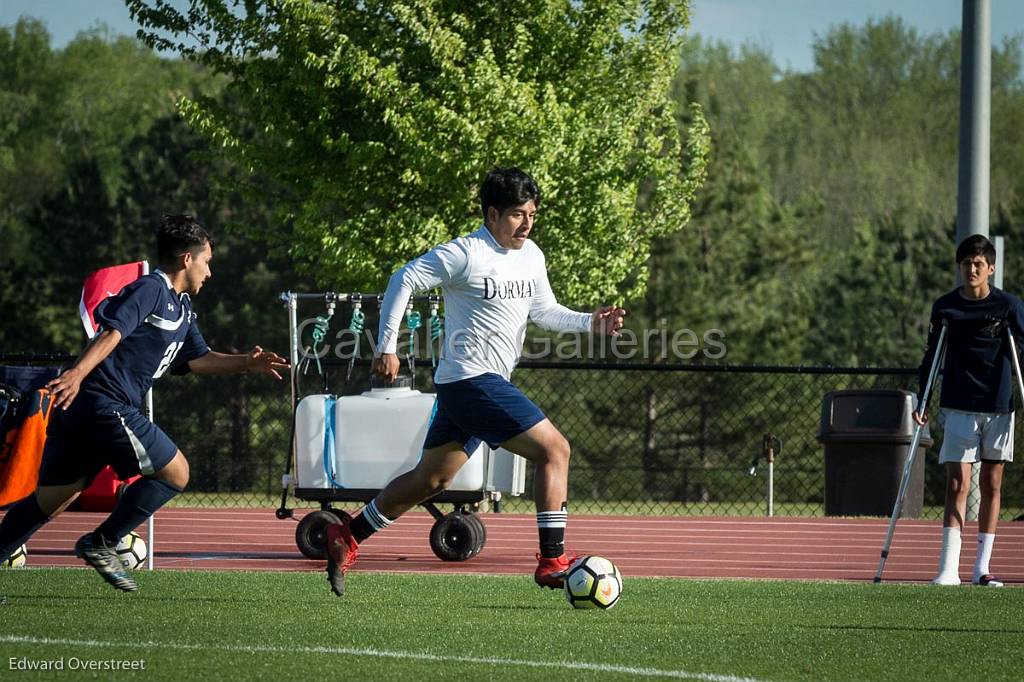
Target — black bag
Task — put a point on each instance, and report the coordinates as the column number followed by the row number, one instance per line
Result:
column 11, row 406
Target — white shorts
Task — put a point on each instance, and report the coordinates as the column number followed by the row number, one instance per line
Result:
column 970, row 437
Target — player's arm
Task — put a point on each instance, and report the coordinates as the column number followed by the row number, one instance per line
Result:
column 1015, row 328
column 65, row 387
column 551, row 315
column 1016, row 322
column 256, row 361
column 118, row 316
column 431, row 270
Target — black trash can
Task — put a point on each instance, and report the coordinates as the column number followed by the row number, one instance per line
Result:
column 867, row 437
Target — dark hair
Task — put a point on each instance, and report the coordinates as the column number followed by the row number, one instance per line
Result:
column 178, row 234
column 507, row 187
column 976, row 245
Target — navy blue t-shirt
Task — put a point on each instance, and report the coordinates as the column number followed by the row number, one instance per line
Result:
column 158, row 332
column 978, row 370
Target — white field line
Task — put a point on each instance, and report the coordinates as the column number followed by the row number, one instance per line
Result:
column 383, row 653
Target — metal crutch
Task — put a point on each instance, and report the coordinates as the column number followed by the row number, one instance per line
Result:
column 940, row 348
column 1020, row 381
column 1016, row 361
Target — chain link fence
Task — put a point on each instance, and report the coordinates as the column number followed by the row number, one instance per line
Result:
column 647, row 439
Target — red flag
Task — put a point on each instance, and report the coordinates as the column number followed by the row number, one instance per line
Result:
column 103, row 283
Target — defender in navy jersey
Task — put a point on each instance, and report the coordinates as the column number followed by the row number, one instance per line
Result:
column 976, row 403
column 493, row 281
column 147, row 329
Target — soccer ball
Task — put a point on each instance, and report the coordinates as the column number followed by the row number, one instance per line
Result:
column 593, row 582
column 16, row 560
column 131, row 550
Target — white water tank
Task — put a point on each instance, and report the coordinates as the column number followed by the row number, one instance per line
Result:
column 379, row 435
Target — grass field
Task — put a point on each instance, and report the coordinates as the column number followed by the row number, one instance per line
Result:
column 246, row 626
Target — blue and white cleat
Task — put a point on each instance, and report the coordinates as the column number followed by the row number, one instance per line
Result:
column 105, row 561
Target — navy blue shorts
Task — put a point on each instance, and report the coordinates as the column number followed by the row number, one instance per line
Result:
column 83, row 439
column 485, row 408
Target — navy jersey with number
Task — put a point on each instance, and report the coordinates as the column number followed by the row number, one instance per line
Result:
column 158, row 333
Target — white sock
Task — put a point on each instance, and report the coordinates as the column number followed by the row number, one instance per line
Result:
column 949, row 557
column 985, row 542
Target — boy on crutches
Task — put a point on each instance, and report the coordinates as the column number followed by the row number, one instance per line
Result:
column 976, row 404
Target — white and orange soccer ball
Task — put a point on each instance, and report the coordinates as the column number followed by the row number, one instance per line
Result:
column 593, row 582
column 131, row 550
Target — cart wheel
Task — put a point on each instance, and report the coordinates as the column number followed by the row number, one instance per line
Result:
column 481, row 539
column 311, row 534
column 455, row 537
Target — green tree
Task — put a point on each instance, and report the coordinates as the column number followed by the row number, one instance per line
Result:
column 30, row 161
column 371, row 123
column 873, row 308
column 748, row 265
column 876, row 140
column 69, row 117
column 95, row 153
column 860, row 155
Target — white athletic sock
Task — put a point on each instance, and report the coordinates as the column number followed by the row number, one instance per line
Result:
column 949, row 557
column 373, row 516
column 985, row 542
column 368, row 521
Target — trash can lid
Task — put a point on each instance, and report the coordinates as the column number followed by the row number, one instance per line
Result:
column 873, row 414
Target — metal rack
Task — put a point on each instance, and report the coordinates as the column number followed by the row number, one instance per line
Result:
column 456, row 536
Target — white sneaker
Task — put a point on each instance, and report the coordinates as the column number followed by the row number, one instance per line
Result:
column 987, row 580
column 946, row 579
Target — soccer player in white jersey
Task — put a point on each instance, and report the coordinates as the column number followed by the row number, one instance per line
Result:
column 494, row 280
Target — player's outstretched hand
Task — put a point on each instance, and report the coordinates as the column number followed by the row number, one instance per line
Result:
column 607, row 320
column 265, row 362
column 920, row 419
column 65, row 387
column 386, row 365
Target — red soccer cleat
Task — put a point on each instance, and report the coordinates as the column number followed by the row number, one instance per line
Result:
column 342, row 552
column 551, row 572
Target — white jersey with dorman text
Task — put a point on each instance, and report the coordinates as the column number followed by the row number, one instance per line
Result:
column 490, row 293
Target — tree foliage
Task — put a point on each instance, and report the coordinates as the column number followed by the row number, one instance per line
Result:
column 89, row 171
column 855, row 164
column 823, row 231
column 372, row 124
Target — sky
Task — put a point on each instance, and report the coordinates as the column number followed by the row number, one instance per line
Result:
column 786, row 27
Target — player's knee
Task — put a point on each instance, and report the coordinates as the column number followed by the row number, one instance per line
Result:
column 177, row 472
column 431, row 483
column 54, row 504
column 183, row 478
column 438, row 482
column 954, row 481
column 559, row 451
column 179, row 477
column 991, row 488
column 54, row 499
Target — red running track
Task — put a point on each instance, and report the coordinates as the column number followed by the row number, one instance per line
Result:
column 697, row 547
